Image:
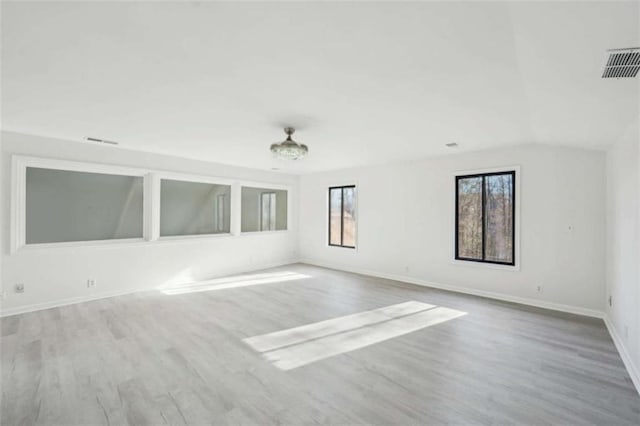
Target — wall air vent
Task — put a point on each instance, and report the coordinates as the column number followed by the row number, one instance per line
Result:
column 90, row 139
column 622, row 63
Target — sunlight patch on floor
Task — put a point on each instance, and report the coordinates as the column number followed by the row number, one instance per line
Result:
column 295, row 347
column 234, row 282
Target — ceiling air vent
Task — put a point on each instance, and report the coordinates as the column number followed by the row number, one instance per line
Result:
column 90, row 139
column 622, row 63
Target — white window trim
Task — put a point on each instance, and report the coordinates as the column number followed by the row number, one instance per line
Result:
column 151, row 202
column 517, row 218
column 18, row 199
column 326, row 213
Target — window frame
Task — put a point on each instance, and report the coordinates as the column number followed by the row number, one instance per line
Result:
column 514, row 265
column 341, row 188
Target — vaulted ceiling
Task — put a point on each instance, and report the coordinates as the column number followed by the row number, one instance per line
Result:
column 363, row 83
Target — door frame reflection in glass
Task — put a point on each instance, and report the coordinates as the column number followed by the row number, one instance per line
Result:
column 268, row 221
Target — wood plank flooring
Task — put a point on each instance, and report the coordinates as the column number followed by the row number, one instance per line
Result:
column 153, row 358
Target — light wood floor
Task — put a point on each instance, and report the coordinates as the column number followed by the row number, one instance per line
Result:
column 152, row 358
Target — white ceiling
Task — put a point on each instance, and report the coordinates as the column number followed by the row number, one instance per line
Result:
column 363, row 82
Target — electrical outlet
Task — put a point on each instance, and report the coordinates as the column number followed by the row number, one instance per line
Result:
column 19, row 288
column 539, row 289
column 91, row 283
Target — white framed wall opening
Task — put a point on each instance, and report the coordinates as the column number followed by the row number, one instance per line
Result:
column 264, row 209
column 194, row 208
column 65, row 203
column 60, row 203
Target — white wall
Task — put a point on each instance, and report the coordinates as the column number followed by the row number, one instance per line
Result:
column 56, row 275
column 623, row 247
column 405, row 225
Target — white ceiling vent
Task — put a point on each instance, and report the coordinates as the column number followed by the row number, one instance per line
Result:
column 90, row 139
column 622, row 63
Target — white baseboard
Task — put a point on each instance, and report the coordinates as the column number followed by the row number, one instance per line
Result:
column 632, row 369
column 64, row 302
column 466, row 290
column 81, row 299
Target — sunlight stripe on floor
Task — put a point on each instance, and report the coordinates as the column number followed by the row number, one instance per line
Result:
column 299, row 346
column 292, row 336
column 234, row 282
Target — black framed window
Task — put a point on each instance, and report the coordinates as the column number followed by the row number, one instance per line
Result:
column 342, row 216
column 485, row 217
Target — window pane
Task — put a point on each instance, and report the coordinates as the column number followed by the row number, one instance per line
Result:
column 470, row 218
column 499, row 218
column 335, row 216
column 191, row 208
column 263, row 212
column 349, row 222
column 64, row 206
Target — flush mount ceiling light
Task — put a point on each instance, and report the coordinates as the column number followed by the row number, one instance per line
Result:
column 289, row 149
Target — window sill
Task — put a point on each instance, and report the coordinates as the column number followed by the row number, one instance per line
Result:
column 172, row 238
column 347, row 248
column 118, row 243
column 82, row 244
column 250, row 233
column 483, row 265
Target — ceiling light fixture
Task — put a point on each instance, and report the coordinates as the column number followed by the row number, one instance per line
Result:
column 289, row 149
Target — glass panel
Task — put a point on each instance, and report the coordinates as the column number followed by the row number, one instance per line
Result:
column 263, row 213
column 499, row 218
column 63, row 206
column 470, row 218
column 335, row 216
column 349, row 221
column 192, row 208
